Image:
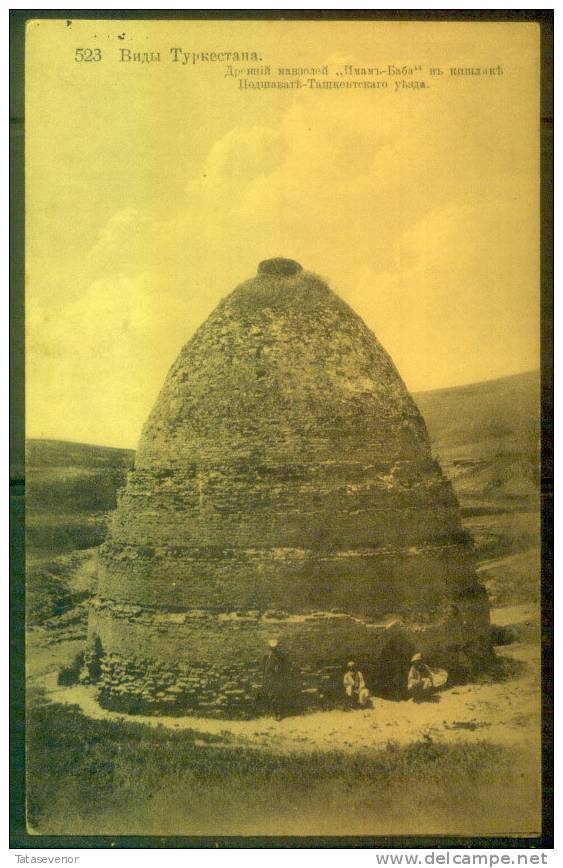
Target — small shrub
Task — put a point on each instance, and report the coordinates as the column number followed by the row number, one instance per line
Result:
column 69, row 675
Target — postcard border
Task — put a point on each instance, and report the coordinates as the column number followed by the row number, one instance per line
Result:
column 18, row 834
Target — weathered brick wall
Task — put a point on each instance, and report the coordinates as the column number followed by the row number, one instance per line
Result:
column 222, row 506
column 371, row 581
column 196, row 661
column 284, row 467
column 282, row 370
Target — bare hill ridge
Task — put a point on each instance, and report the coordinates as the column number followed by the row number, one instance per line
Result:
column 68, row 453
column 487, row 438
column 504, row 411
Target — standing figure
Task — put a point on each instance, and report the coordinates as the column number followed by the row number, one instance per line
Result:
column 394, row 663
column 355, row 687
column 275, row 680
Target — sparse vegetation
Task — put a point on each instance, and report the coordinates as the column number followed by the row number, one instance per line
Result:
column 50, row 590
column 71, row 488
column 89, row 776
column 514, row 578
column 47, row 535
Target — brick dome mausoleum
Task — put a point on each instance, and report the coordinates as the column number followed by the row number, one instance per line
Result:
column 283, row 487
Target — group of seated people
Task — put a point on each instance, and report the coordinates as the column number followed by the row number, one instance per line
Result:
column 421, row 682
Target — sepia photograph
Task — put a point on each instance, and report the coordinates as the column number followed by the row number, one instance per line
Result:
column 283, row 429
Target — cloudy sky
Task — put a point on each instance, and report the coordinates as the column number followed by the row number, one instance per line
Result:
column 153, row 189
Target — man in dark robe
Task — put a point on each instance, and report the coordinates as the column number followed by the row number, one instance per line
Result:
column 394, row 664
column 276, row 680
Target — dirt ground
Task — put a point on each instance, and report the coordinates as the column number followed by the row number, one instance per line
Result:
column 504, row 712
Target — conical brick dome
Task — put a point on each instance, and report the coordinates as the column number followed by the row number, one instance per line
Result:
column 284, row 471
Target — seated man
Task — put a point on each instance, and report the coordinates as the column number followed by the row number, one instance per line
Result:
column 420, row 681
column 355, row 686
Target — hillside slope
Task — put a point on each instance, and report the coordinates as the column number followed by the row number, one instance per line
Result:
column 70, row 489
column 487, row 438
column 503, row 411
column 65, row 453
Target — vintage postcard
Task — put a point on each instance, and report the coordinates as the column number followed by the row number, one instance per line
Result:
column 282, row 320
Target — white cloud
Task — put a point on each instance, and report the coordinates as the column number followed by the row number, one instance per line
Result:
column 425, row 254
